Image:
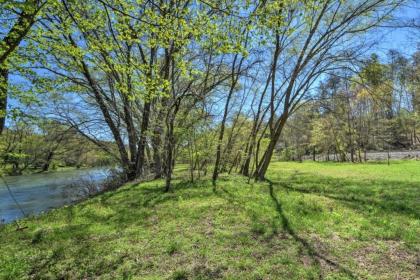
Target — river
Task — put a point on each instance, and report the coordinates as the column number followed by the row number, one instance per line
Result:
column 37, row 193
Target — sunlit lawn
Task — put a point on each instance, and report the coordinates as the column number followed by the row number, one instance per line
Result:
column 314, row 220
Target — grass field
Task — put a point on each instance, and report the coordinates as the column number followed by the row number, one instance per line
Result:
column 312, row 221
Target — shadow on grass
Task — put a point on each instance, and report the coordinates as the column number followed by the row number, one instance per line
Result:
column 134, row 205
column 311, row 251
column 305, row 245
column 398, row 197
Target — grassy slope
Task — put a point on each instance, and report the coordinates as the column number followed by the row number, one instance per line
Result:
column 330, row 221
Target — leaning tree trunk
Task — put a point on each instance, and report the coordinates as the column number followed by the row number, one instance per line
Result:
column 255, row 127
column 262, row 167
column 128, row 169
column 9, row 43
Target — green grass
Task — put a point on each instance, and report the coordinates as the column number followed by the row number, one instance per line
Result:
column 314, row 220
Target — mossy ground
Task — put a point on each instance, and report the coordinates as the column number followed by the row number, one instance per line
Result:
column 313, row 221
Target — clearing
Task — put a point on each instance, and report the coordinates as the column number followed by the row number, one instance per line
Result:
column 313, row 221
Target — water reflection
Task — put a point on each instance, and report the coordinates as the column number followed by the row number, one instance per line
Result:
column 39, row 192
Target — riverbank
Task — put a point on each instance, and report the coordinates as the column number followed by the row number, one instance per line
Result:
column 35, row 193
column 328, row 220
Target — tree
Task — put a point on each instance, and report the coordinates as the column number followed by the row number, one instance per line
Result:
column 26, row 13
column 309, row 49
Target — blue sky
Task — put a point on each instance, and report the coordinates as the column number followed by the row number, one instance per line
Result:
column 405, row 40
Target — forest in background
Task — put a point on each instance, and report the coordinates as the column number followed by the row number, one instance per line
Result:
column 376, row 109
column 220, row 85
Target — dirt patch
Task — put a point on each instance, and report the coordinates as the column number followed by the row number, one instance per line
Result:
column 387, row 260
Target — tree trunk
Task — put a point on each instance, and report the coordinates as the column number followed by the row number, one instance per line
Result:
column 234, row 80
column 131, row 131
column 169, row 154
column 246, row 164
column 8, row 45
column 48, row 160
column 19, row 30
column 3, row 96
column 191, row 159
column 234, row 163
column 265, row 161
column 157, row 158
column 129, row 171
column 255, row 127
column 220, row 140
column 140, row 159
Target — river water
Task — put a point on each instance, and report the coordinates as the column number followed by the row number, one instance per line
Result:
column 37, row 193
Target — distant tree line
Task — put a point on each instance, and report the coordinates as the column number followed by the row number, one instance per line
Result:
column 375, row 109
column 29, row 146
